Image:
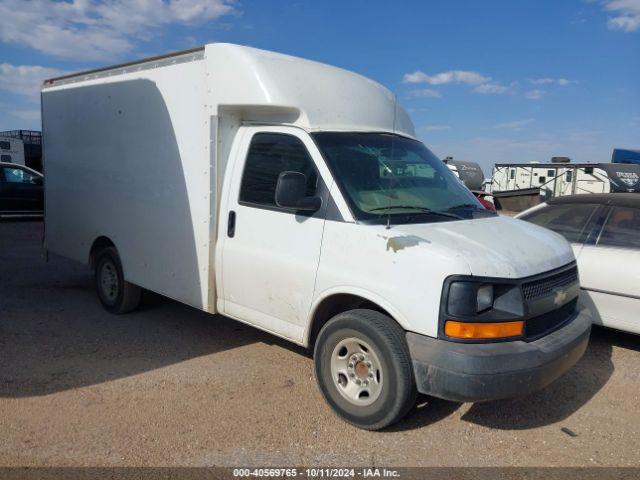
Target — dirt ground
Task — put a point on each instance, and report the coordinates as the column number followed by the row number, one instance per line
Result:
column 169, row 385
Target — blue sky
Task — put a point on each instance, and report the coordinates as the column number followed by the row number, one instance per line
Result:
column 483, row 80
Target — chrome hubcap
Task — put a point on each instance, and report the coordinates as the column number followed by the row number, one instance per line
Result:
column 109, row 281
column 356, row 372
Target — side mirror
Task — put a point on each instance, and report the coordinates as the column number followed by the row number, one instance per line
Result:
column 291, row 193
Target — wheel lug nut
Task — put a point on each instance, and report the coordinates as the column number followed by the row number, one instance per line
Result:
column 351, row 374
column 361, row 357
column 350, row 365
column 371, row 375
column 365, row 383
column 358, row 381
column 368, row 364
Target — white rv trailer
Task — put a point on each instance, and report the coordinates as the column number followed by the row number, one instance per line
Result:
column 293, row 196
column 11, row 150
column 558, row 179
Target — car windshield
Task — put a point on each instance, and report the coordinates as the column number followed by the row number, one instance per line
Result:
column 386, row 177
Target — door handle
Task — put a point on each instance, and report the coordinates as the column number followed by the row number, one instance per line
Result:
column 231, row 224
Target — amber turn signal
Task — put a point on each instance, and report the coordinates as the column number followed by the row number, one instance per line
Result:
column 483, row 330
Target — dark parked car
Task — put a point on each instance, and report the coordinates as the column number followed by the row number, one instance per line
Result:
column 21, row 191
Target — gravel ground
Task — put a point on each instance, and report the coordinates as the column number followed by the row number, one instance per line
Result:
column 170, row 385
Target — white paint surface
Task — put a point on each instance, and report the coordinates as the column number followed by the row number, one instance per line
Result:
column 610, row 279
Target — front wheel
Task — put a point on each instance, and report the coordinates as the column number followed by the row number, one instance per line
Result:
column 115, row 293
column 364, row 370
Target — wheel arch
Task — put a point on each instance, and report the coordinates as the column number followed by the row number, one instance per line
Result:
column 331, row 303
column 97, row 245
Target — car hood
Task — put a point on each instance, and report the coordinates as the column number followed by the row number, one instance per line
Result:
column 493, row 247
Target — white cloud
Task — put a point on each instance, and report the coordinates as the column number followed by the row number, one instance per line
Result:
column 535, row 94
column 92, row 30
column 626, row 23
column 426, row 92
column 516, row 124
column 548, row 80
column 490, row 88
column 25, row 79
column 481, row 83
column 32, row 115
column 451, row 76
column 542, row 81
column 435, row 128
column 626, row 15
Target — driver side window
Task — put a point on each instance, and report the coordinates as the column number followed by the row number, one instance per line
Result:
column 269, row 155
column 17, row 175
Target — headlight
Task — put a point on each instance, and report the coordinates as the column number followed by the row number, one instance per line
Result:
column 467, row 298
column 481, row 310
column 484, row 298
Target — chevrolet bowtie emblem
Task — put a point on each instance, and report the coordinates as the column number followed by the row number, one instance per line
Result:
column 560, row 297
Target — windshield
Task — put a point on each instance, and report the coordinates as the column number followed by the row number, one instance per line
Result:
column 387, row 177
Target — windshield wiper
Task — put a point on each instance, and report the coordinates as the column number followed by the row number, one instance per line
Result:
column 463, row 205
column 415, row 207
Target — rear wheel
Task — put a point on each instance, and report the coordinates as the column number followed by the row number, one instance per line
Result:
column 364, row 370
column 115, row 293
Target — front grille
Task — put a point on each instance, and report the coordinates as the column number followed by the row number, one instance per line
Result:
column 541, row 325
column 545, row 286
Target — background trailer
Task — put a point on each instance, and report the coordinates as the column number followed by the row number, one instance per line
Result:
column 518, row 186
column 11, row 150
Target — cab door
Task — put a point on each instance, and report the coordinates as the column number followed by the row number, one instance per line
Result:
column 269, row 255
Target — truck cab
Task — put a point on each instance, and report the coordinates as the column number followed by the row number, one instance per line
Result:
column 376, row 220
column 293, row 196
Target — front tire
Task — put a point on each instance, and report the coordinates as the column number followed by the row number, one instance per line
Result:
column 364, row 369
column 115, row 293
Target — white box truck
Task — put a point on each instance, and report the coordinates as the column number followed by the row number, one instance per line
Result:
column 293, row 196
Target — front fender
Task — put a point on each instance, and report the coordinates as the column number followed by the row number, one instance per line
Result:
column 359, row 292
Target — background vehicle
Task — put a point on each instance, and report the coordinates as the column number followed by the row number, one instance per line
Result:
column 21, row 191
column 11, row 150
column 486, row 199
column 604, row 231
column 519, row 186
column 625, row 155
column 470, row 173
column 293, row 196
column 32, row 145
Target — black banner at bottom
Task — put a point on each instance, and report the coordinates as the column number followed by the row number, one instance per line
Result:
column 427, row 473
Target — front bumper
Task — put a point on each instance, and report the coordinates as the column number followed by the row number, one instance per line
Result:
column 489, row 371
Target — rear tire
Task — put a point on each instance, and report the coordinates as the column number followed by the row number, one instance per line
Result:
column 115, row 293
column 364, row 370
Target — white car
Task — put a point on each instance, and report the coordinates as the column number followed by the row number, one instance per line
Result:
column 604, row 231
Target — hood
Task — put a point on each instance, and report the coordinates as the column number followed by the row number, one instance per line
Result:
column 493, row 247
